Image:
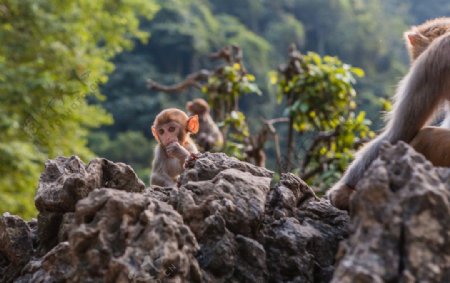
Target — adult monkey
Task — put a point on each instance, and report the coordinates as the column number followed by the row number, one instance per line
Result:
column 171, row 129
column 432, row 142
column 424, row 88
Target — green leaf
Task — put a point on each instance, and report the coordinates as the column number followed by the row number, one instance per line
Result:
column 358, row 72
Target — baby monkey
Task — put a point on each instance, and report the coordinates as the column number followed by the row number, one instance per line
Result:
column 172, row 129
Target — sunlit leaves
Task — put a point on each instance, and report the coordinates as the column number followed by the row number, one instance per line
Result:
column 226, row 87
column 53, row 56
column 236, row 127
column 223, row 90
column 322, row 104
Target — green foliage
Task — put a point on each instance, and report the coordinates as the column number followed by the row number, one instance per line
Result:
column 223, row 90
column 190, row 30
column 183, row 34
column 225, row 87
column 321, row 106
column 362, row 33
column 283, row 32
column 257, row 49
column 237, row 134
column 53, row 56
column 321, row 92
column 421, row 11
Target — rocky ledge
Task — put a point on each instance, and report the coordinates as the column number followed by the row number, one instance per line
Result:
column 400, row 222
column 229, row 221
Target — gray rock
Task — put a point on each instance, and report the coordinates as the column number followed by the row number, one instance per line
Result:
column 225, row 214
column 238, row 197
column 208, row 165
column 119, row 236
column 250, row 232
column 401, row 222
column 227, row 221
column 67, row 180
column 300, row 233
column 16, row 246
column 54, row 266
column 64, row 182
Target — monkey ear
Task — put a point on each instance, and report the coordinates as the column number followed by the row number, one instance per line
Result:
column 193, row 125
column 412, row 37
column 155, row 134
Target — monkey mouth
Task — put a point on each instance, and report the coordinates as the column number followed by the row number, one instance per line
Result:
column 169, row 143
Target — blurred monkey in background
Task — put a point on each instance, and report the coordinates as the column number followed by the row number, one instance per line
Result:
column 209, row 137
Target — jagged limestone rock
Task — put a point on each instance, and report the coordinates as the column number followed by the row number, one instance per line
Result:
column 16, row 246
column 64, row 182
column 249, row 231
column 227, row 221
column 401, row 222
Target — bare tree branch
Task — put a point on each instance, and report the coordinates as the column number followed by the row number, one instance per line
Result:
column 192, row 80
column 230, row 54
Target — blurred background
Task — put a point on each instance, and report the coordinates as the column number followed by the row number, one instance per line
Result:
column 74, row 77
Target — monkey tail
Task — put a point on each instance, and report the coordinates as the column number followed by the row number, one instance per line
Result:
column 419, row 94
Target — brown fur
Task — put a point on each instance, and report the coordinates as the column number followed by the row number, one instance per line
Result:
column 434, row 144
column 418, row 38
column 198, row 106
column 209, row 136
column 174, row 147
column 422, row 91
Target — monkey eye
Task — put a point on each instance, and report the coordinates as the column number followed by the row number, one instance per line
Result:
column 161, row 131
column 171, row 129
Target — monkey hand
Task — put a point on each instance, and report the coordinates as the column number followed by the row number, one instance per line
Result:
column 193, row 156
column 175, row 150
column 339, row 195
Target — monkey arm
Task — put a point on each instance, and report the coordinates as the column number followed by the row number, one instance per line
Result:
column 418, row 95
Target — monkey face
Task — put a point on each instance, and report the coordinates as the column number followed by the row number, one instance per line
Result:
column 169, row 132
column 173, row 125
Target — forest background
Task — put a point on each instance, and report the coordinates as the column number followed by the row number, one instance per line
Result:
column 73, row 74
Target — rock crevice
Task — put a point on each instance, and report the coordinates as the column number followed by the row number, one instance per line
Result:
column 229, row 221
